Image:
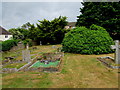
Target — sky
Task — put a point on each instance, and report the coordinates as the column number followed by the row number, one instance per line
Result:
column 15, row 14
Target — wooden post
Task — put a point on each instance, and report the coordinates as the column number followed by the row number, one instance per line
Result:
column 117, row 51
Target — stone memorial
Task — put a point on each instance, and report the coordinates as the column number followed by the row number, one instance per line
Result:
column 40, row 43
column 117, row 51
column 53, row 46
column 27, row 46
column 26, row 55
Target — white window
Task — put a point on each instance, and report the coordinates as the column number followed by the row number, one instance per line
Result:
column 6, row 36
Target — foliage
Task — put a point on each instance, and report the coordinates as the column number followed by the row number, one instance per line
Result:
column 27, row 41
column 16, row 33
column 28, row 31
column 105, row 14
column 51, row 31
column 87, row 41
column 8, row 44
column 23, row 32
column 32, row 32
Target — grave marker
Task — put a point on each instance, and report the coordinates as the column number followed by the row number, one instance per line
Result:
column 53, row 46
column 26, row 55
column 27, row 46
column 117, row 51
column 40, row 43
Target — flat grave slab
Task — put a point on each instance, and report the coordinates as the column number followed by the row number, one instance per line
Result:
column 112, row 62
column 48, row 62
column 51, row 64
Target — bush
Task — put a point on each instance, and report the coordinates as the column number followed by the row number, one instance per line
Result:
column 82, row 40
column 29, row 41
column 8, row 44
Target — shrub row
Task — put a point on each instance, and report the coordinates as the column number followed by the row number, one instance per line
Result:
column 8, row 44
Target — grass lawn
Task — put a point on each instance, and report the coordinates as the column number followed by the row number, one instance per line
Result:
column 78, row 71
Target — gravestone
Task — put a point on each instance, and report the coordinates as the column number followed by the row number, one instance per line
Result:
column 26, row 55
column 53, row 46
column 40, row 43
column 27, row 46
column 117, row 51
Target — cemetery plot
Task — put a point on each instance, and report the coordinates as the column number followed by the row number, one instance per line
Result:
column 112, row 62
column 117, row 51
column 48, row 62
column 23, row 61
column 40, row 64
column 10, row 64
column 12, row 67
column 109, row 62
column 75, row 68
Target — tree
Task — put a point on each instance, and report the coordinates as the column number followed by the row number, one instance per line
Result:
column 33, row 32
column 28, row 30
column 16, row 33
column 51, row 31
column 46, row 31
column 105, row 14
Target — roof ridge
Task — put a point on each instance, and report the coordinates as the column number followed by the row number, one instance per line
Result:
column 4, row 32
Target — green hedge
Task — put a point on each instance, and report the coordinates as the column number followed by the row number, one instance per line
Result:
column 95, row 40
column 8, row 44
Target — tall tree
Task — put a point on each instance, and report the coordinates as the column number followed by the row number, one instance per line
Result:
column 16, row 33
column 52, row 31
column 46, row 31
column 105, row 14
column 28, row 30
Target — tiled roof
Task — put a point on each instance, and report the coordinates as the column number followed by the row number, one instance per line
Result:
column 4, row 32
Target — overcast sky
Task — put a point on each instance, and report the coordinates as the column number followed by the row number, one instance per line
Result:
column 15, row 14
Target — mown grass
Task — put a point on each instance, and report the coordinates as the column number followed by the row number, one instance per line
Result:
column 78, row 71
column 26, row 79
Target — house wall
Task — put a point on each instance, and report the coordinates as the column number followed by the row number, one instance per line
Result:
column 67, row 27
column 2, row 37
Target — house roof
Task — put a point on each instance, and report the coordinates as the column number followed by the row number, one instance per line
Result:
column 72, row 24
column 4, row 32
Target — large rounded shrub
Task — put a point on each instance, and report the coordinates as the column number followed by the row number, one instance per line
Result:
column 95, row 40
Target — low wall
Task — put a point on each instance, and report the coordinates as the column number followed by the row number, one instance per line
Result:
column 26, row 65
